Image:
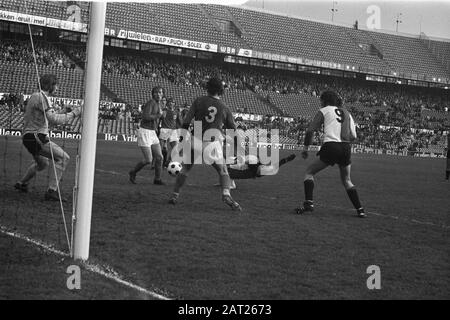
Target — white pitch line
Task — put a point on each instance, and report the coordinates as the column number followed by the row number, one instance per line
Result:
column 89, row 266
column 144, row 178
column 38, row 243
column 112, row 172
column 120, row 174
column 424, row 223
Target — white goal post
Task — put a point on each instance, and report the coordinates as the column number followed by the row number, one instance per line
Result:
column 85, row 183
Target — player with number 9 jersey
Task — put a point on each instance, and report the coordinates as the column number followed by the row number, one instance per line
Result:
column 338, row 124
column 339, row 131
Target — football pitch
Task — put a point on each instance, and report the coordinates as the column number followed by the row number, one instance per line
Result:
column 200, row 249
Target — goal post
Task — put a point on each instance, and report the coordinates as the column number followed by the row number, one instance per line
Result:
column 85, row 183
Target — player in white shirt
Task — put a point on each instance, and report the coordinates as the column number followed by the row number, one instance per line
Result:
column 339, row 132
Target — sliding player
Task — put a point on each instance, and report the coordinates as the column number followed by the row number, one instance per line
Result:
column 250, row 168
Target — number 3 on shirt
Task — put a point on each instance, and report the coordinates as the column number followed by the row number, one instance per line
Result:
column 212, row 115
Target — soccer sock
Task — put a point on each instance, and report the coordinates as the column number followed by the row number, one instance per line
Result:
column 139, row 166
column 309, row 188
column 447, row 174
column 158, row 168
column 181, row 179
column 168, row 158
column 54, row 179
column 31, row 172
column 225, row 182
column 354, row 198
column 164, row 153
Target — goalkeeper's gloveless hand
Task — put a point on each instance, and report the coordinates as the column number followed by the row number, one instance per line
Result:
column 76, row 111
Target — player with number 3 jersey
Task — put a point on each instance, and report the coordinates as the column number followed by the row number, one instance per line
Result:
column 213, row 114
column 339, row 131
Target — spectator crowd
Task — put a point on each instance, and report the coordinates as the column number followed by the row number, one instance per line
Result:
column 387, row 113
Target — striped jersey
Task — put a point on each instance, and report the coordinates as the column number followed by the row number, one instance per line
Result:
column 338, row 124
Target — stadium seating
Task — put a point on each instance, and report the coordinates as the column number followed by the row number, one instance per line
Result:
column 264, row 32
column 18, row 77
column 408, row 56
column 295, row 105
column 11, row 120
column 441, row 51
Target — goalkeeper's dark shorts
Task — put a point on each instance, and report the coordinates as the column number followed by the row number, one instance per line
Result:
column 34, row 142
column 250, row 173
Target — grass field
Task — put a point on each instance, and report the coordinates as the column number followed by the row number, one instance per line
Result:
column 200, row 249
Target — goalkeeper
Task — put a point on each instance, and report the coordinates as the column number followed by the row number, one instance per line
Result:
column 39, row 112
column 250, row 166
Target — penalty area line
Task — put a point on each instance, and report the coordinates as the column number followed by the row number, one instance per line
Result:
column 143, row 177
column 106, row 271
column 114, row 173
column 414, row 221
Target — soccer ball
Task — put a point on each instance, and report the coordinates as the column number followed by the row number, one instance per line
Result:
column 174, row 168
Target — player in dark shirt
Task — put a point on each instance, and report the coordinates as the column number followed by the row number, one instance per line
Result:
column 182, row 114
column 168, row 135
column 148, row 140
column 213, row 114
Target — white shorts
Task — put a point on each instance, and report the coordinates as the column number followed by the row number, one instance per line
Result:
column 146, row 137
column 168, row 134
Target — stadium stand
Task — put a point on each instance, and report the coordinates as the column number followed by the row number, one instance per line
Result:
column 405, row 55
column 367, row 51
column 440, row 49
